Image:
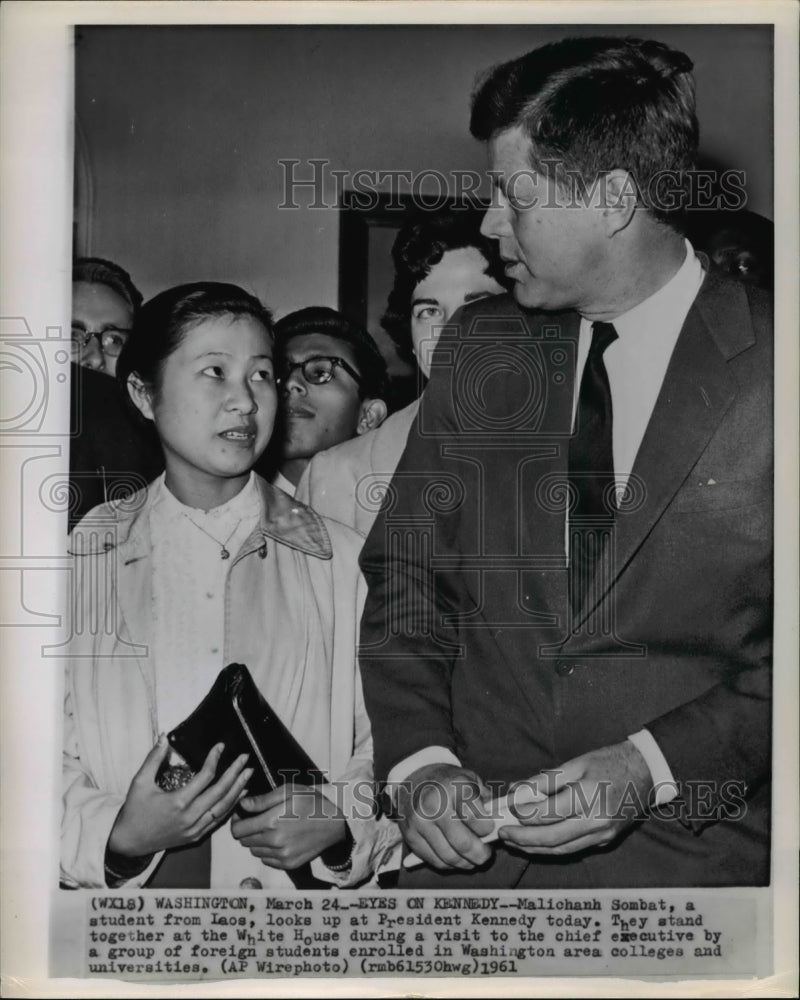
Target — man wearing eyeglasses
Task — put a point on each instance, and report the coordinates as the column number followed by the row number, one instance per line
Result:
column 333, row 383
column 110, row 453
column 104, row 302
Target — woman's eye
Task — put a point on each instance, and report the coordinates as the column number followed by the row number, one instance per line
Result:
column 263, row 375
column 214, row 371
column 430, row 312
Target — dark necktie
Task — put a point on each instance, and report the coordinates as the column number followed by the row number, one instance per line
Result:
column 591, row 465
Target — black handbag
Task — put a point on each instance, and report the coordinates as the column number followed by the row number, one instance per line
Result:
column 234, row 712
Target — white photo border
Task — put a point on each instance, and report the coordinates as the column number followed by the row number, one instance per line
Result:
column 36, row 150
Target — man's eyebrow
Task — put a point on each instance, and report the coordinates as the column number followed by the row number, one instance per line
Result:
column 105, row 328
column 296, row 358
column 424, row 302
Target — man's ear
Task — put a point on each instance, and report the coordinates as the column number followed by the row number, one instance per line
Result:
column 141, row 396
column 620, row 199
column 371, row 415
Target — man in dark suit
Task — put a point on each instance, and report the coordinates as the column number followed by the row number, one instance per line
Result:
column 111, row 454
column 570, row 586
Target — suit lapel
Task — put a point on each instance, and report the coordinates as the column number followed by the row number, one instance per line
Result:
column 543, row 512
column 698, row 389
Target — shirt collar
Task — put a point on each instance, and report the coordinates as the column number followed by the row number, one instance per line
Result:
column 283, row 483
column 124, row 522
column 668, row 306
column 292, row 523
column 167, row 508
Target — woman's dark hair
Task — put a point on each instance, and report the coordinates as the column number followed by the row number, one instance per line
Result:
column 418, row 248
column 369, row 361
column 97, row 271
column 591, row 105
column 164, row 320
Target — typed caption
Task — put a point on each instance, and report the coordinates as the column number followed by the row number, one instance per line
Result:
column 174, row 937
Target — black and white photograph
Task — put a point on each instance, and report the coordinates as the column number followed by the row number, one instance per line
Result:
column 400, row 578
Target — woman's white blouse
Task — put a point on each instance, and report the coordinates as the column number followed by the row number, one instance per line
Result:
column 189, row 577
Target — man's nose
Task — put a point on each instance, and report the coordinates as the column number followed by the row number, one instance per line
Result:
column 491, row 222
column 92, row 355
column 294, row 382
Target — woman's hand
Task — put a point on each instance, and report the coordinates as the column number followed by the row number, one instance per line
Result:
column 152, row 820
column 294, row 824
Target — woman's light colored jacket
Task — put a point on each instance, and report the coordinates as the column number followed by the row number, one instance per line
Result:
column 292, row 608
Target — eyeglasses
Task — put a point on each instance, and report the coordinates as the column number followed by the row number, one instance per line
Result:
column 318, row 370
column 111, row 340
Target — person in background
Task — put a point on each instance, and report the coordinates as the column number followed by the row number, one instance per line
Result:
column 738, row 243
column 333, row 384
column 211, row 565
column 441, row 263
column 111, row 454
column 104, row 306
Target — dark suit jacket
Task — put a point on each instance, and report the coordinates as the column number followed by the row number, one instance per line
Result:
column 469, row 639
column 112, row 454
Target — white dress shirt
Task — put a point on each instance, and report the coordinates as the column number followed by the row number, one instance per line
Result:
column 636, row 363
column 637, row 360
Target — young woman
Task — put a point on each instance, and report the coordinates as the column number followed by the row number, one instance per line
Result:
column 207, row 566
column 441, row 263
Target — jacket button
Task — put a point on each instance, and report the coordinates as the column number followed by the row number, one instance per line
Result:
column 250, row 883
column 564, row 669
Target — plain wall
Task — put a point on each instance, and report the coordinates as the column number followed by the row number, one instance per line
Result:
column 183, row 128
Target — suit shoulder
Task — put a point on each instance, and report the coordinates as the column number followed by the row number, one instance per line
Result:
column 352, row 450
column 739, row 317
column 376, row 451
column 762, row 308
column 501, row 315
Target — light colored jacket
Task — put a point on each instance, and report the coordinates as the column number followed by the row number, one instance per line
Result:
column 292, row 607
column 348, row 482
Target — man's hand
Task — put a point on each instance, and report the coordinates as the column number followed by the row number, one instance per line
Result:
column 152, row 820
column 441, row 816
column 293, row 824
column 590, row 801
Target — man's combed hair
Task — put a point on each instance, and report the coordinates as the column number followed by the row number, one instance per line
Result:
column 418, row 248
column 591, row 105
column 98, row 271
column 370, row 362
